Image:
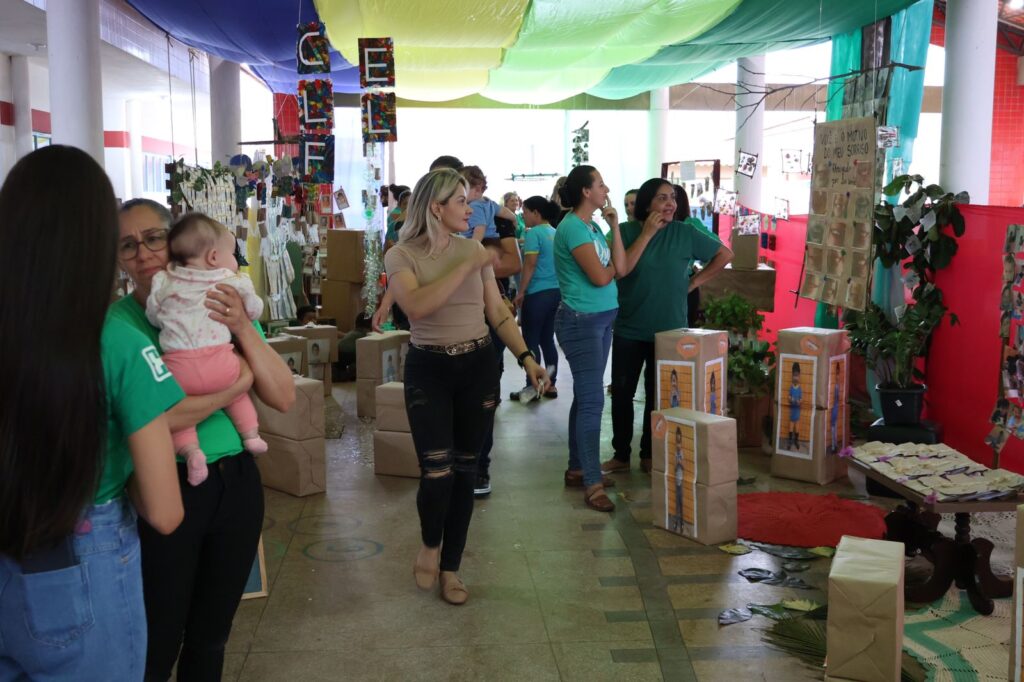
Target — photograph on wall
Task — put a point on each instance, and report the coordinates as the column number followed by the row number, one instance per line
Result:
column 714, row 386
column 794, row 435
column 792, row 161
column 681, row 476
column 747, row 164
column 835, row 427
column 842, row 203
column 675, row 384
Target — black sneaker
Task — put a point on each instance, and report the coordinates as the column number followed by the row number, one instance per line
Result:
column 482, row 487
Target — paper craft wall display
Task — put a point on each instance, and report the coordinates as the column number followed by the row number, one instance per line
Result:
column 376, row 63
column 316, row 106
column 747, row 164
column 313, row 49
column 792, row 161
column 888, row 137
column 316, row 158
column 748, row 224
column 1008, row 416
column 837, row 263
column 379, row 121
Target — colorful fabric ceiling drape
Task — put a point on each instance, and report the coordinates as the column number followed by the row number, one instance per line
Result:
column 515, row 51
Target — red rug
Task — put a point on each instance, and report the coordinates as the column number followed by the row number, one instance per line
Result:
column 803, row 520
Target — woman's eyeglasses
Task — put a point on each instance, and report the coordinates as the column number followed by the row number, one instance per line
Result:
column 154, row 241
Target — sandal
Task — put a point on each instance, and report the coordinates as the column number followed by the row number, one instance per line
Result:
column 453, row 590
column 597, row 499
column 574, row 479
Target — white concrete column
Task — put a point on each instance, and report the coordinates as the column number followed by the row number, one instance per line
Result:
column 967, row 97
column 657, row 132
column 7, row 153
column 22, row 96
column 76, row 87
column 117, row 158
column 133, row 115
column 225, row 109
column 750, row 127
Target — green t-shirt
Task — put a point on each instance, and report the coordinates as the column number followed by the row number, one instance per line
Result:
column 139, row 388
column 652, row 298
column 578, row 292
column 217, row 435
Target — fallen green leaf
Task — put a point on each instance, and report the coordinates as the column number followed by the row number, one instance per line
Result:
column 738, row 550
column 795, row 566
column 773, row 611
column 823, row 551
column 800, row 604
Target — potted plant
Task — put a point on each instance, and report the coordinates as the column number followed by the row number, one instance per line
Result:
column 750, row 364
column 920, row 233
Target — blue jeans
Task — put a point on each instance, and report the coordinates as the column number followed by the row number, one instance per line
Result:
column 84, row 622
column 585, row 339
column 538, row 316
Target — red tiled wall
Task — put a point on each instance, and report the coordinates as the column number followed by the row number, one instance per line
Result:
column 286, row 113
column 1006, row 172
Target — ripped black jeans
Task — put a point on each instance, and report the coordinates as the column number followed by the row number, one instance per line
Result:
column 450, row 400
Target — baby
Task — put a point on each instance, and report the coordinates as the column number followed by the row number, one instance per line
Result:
column 197, row 349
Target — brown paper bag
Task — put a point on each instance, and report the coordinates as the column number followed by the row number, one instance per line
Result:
column 704, row 443
column 865, row 610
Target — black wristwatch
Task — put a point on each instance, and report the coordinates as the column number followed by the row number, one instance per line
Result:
column 521, row 358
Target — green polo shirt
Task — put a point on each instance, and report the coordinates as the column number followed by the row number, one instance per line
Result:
column 139, row 389
column 217, row 435
column 652, row 298
column 578, row 292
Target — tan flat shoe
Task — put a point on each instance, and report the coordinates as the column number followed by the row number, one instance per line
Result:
column 613, row 465
column 425, row 573
column 574, row 479
column 453, row 590
column 597, row 499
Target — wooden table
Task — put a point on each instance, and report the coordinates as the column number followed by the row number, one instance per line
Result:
column 962, row 560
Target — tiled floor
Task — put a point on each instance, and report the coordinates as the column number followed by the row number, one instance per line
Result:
column 557, row 591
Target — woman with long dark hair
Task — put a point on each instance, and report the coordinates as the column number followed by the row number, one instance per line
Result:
column 586, row 266
column 194, row 577
column 653, row 290
column 446, row 286
column 82, row 408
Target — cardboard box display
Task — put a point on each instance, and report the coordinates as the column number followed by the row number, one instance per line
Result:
column 292, row 349
column 756, row 286
column 366, row 397
column 321, row 372
column 381, row 356
column 745, row 249
column 390, row 407
column 703, row 444
column 811, row 457
column 394, row 454
column 708, row 513
column 865, row 610
column 321, row 342
column 296, row 467
column 345, row 255
column 692, row 369
column 1016, row 635
column 823, row 355
column 342, row 302
column 305, row 419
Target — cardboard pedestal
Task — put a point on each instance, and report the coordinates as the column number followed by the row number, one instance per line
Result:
column 345, row 259
column 821, row 359
column 865, row 611
column 321, row 342
column 756, row 286
column 342, row 302
column 691, row 369
column 390, row 407
column 366, row 397
column 381, row 356
column 296, row 467
column 811, row 457
column 705, row 445
column 745, row 249
column 292, row 350
column 708, row 512
column 305, row 420
column 394, row 454
column 321, row 372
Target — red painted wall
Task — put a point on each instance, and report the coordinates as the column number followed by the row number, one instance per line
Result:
column 1006, row 171
column 286, row 113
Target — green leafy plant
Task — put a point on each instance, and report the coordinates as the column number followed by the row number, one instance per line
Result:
column 920, row 232
column 750, row 359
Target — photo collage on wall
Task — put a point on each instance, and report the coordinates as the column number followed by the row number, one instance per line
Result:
column 1006, row 417
column 837, row 262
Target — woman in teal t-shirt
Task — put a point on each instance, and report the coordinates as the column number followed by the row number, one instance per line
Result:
column 586, row 267
column 83, row 417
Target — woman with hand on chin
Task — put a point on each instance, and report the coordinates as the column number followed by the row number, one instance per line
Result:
column 653, row 288
column 445, row 284
column 586, row 267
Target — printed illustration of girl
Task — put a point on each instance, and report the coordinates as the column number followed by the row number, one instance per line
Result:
column 834, row 415
column 678, row 521
column 713, row 395
column 796, row 395
column 673, row 382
